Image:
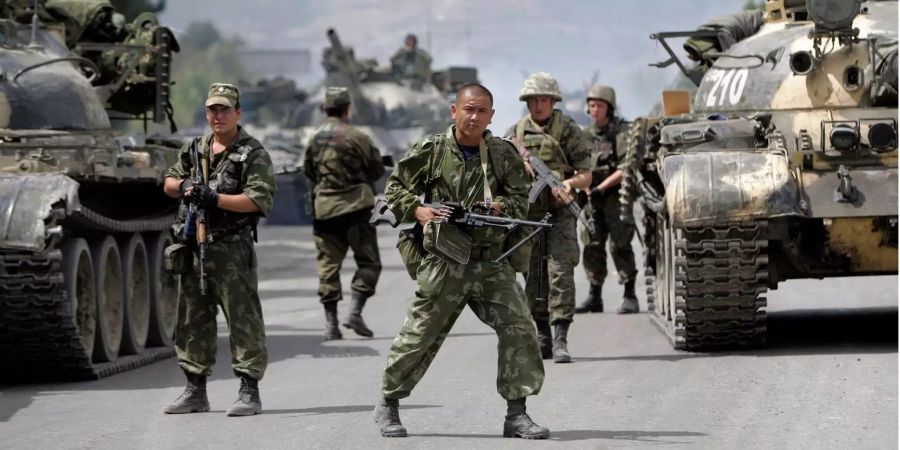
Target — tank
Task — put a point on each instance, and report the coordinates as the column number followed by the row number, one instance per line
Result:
column 395, row 111
column 83, row 219
column 782, row 164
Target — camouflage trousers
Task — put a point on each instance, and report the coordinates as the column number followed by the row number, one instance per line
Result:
column 609, row 227
column 333, row 237
column 552, row 295
column 442, row 291
column 232, row 286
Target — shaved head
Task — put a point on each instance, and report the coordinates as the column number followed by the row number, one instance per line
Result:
column 473, row 90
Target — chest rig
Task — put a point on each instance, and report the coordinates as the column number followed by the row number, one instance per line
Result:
column 545, row 142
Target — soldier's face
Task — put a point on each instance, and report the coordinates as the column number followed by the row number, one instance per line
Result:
column 222, row 119
column 598, row 109
column 540, row 107
column 472, row 114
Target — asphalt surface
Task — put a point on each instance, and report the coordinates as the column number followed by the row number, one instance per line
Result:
column 827, row 380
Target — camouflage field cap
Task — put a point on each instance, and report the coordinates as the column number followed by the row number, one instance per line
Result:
column 336, row 96
column 223, row 94
column 601, row 92
column 540, row 84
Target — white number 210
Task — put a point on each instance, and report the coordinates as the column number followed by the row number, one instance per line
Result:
column 727, row 85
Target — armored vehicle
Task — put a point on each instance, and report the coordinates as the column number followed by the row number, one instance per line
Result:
column 83, row 220
column 782, row 164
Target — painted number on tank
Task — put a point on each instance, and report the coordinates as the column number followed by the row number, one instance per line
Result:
column 728, row 85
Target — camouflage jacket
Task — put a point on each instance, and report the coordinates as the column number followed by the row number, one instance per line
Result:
column 571, row 141
column 342, row 165
column 243, row 168
column 453, row 179
column 607, row 146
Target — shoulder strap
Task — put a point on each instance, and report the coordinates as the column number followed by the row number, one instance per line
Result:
column 436, row 155
column 520, row 129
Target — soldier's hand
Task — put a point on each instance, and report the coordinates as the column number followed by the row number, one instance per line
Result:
column 425, row 214
column 185, row 187
column 563, row 196
column 204, row 197
column 495, row 210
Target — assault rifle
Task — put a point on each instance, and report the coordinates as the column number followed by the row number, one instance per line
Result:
column 195, row 223
column 546, row 179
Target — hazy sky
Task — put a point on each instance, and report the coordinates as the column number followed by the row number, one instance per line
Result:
column 504, row 39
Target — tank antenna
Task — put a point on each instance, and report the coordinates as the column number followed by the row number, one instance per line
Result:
column 34, row 26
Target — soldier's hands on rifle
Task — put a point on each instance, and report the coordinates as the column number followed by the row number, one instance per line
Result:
column 425, row 214
column 185, row 187
column 204, row 196
column 564, row 196
column 496, row 208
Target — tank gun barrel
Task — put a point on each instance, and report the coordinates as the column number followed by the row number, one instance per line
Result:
column 347, row 69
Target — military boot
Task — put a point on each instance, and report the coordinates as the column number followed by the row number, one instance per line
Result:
column 354, row 320
column 332, row 331
column 193, row 399
column 247, row 403
column 594, row 301
column 518, row 424
column 560, row 341
column 387, row 417
column 545, row 340
column 629, row 300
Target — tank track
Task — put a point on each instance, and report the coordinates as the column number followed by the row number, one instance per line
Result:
column 38, row 338
column 720, row 275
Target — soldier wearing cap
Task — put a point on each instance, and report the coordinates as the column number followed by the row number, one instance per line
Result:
column 558, row 141
column 605, row 137
column 342, row 165
column 237, row 188
column 411, row 62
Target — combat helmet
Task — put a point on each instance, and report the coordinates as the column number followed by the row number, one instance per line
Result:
column 601, row 92
column 540, row 84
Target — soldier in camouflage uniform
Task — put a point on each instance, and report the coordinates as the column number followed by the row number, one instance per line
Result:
column 449, row 167
column 558, row 141
column 605, row 137
column 239, row 189
column 411, row 62
column 342, row 165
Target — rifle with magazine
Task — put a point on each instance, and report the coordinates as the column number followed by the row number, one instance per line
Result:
column 544, row 178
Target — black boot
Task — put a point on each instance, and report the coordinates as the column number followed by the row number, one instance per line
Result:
column 545, row 340
column 560, row 341
column 518, row 424
column 594, row 301
column 248, row 402
column 332, row 331
column 354, row 320
column 629, row 300
column 193, row 399
column 387, row 417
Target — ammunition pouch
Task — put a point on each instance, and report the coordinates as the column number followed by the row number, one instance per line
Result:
column 447, row 241
column 411, row 250
column 178, row 259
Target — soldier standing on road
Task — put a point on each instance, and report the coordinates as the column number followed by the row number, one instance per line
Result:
column 342, row 165
column 605, row 137
column 444, row 288
column 411, row 62
column 558, row 141
column 238, row 189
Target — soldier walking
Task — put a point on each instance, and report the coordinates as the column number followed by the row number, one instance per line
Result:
column 237, row 188
column 459, row 166
column 341, row 166
column 605, row 137
column 558, row 141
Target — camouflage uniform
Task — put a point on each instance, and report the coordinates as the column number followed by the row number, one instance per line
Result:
column 443, row 289
column 412, row 63
column 244, row 167
column 558, row 294
column 342, row 165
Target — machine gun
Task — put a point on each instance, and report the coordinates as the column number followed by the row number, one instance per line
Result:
column 195, row 223
column 545, row 178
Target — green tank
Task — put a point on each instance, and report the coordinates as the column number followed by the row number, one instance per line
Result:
column 83, row 220
column 780, row 165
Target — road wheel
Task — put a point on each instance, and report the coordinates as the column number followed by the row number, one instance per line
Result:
column 136, row 272
column 110, row 296
column 163, row 292
column 78, row 272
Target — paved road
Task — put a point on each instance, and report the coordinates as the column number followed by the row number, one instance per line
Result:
column 828, row 379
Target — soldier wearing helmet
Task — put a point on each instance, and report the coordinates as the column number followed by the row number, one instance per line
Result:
column 341, row 166
column 605, row 138
column 410, row 62
column 559, row 142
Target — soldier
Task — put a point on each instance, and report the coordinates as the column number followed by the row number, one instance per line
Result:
column 558, row 141
column 411, row 62
column 238, row 189
column 342, row 165
column 605, row 137
column 444, row 288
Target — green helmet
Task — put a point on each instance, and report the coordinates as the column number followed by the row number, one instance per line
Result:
column 601, row 92
column 540, row 84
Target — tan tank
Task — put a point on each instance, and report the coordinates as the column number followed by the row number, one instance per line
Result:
column 782, row 164
column 83, row 220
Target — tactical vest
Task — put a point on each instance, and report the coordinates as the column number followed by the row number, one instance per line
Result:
column 336, row 164
column 227, row 178
column 546, row 144
column 604, row 151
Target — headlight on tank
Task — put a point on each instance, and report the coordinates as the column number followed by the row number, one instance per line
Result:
column 831, row 15
column 844, row 137
column 882, row 137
